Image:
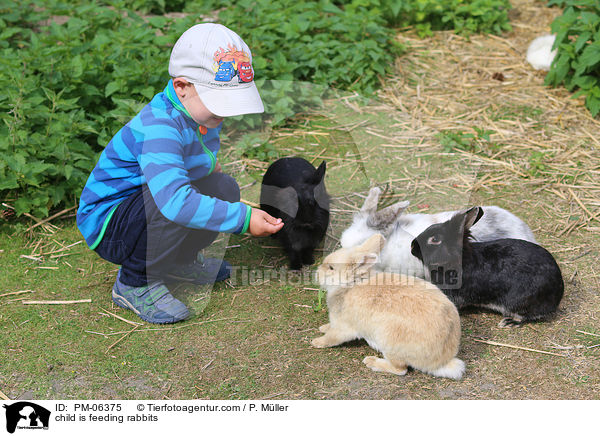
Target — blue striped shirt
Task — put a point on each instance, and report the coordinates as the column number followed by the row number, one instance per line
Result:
column 159, row 147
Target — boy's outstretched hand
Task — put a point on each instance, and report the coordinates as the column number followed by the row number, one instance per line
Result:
column 263, row 224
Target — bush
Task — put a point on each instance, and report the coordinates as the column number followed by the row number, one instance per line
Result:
column 70, row 86
column 463, row 16
column 316, row 42
column 577, row 63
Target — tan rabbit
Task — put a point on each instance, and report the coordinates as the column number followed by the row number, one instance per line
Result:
column 409, row 320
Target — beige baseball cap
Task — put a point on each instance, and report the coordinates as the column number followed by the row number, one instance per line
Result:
column 219, row 64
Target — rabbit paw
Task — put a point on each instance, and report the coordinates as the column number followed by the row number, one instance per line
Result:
column 324, row 328
column 384, row 365
column 509, row 322
column 320, row 342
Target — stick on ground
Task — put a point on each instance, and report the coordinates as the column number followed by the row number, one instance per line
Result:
column 518, row 348
column 15, row 293
column 122, row 337
column 122, row 319
column 56, row 301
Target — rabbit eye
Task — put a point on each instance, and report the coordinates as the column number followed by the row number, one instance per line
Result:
column 331, row 267
column 434, row 241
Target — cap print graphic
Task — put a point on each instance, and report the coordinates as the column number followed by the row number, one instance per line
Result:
column 218, row 63
column 231, row 63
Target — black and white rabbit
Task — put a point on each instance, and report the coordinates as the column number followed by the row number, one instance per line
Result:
column 517, row 278
column 401, row 228
column 293, row 190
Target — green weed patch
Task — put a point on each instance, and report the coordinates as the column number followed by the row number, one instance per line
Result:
column 577, row 63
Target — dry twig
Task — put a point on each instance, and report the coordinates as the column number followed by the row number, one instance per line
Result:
column 122, row 337
column 498, row 344
column 88, row 300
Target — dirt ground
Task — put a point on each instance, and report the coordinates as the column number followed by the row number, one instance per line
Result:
column 540, row 159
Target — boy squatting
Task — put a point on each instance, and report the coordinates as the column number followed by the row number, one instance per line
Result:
column 157, row 194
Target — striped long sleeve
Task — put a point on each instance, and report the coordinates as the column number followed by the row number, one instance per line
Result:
column 159, row 147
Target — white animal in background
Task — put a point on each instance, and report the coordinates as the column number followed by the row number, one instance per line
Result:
column 540, row 54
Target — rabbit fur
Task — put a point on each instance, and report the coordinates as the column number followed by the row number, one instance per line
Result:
column 410, row 321
column 400, row 229
column 540, row 54
column 517, row 278
column 293, row 190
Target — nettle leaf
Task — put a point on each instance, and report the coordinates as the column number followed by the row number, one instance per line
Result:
column 558, row 70
column 590, row 56
column 68, row 171
column 15, row 162
column 147, row 92
column 585, row 82
column 111, row 88
column 582, row 40
column 592, row 102
column 8, row 181
column 77, row 67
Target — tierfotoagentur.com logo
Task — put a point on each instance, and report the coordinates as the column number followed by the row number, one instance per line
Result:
column 242, row 275
column 26, row 415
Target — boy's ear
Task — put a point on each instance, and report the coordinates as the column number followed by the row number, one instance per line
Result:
column 180, row 85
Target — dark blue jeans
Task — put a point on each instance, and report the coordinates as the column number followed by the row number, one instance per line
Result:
column 146, row 244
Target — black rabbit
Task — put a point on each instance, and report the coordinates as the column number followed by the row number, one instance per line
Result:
column 293, row 190
column 517, row 278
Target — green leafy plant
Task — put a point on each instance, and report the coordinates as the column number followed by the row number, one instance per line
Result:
column 452, row 141
column 75, row 71
column 254, row 146
column 70, row 85
column 537, row 162
column 463, row 16
column 316, row 42
column 577, row 63
column 321, row 298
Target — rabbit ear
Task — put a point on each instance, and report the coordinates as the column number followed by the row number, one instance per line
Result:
column 284, row 199
column 319, row 174
column 387, row 216
column 363, row 262
column 472, row 216
column 415, row 249
column 372, row 245
column 370, row 204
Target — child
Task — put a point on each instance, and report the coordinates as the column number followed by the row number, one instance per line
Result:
column 157, row 194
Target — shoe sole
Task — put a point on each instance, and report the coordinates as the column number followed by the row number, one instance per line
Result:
column 122, row 302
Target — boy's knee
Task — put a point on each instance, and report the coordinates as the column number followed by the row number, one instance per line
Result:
column 219, row 185
column 230, row 189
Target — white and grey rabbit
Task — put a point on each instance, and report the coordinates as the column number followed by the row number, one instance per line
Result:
column 400, row 229
column 409, row 320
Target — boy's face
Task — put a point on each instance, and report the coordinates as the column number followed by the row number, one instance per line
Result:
column 191, row 101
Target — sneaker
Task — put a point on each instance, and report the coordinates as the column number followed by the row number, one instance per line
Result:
column 153, row 302
column 201, row 272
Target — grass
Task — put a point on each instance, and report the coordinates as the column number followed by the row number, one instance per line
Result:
column 250, row 340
